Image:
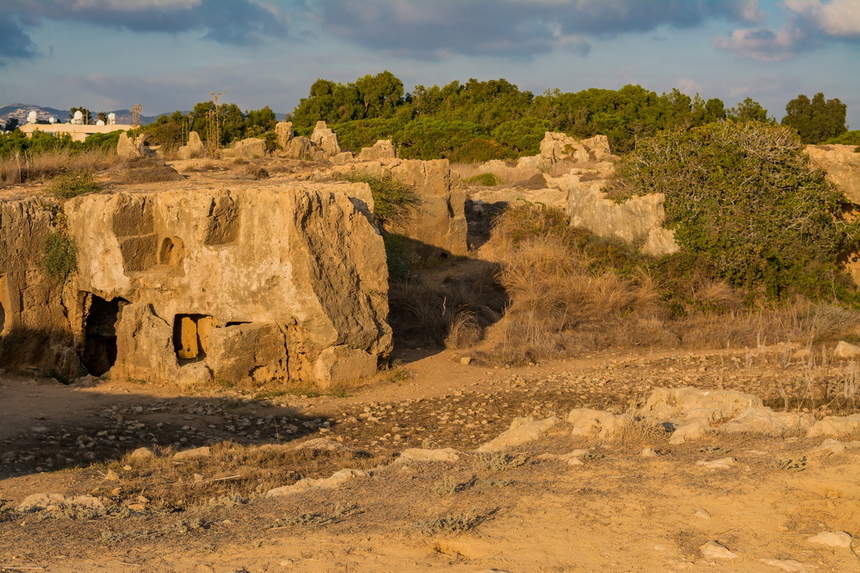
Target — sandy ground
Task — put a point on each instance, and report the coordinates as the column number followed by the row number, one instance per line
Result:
column 524, row 511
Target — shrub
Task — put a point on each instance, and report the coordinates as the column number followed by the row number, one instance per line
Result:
column 847, row 138
column 73, row 183
column 742, row 195
column 391, row 199
column 59, row 256
column 485, row 179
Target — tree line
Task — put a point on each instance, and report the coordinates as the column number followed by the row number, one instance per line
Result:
column 483, row 120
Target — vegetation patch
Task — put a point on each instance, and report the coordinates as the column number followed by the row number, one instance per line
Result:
column 743, row 196
column 59, row 256
column 392, row 200
column 74, row 183
column 485, row 179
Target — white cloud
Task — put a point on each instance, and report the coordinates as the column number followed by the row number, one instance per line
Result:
column 761, row 44
column 836, row 18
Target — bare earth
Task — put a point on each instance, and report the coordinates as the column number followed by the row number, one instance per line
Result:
column 524, row 511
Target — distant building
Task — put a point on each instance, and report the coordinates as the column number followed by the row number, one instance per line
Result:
column 78, row 132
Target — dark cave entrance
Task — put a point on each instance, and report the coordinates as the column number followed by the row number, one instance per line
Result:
column 100, row 335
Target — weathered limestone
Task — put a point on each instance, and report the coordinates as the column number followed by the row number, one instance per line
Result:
column 193, row 149
column 131, row 147
column 522, row 431
column 35, row 311
column 246, row 286
column 439, row 220
column 250, row 148
column 842, row 165
column 561, row 148
column 325, row 139
column 382, row 149
column 304, row 149
column 284, row 131
column 638, row 221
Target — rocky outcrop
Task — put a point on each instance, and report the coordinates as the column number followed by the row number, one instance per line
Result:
column 439, row 219
column 193, row 149
column 565, row 151
column 637, row 221
column 35, row 311
column 131, row 147
column 382, row 149
column 284, row 132
column 303, row 148
column 842, row 164
column 250, row 148
column 325, row 139
column 244, row 286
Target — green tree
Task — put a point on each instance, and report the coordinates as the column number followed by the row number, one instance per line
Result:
column 816, row 120
column 380, row 94
column 748, row 110
column 258, row 122
column 742, row 195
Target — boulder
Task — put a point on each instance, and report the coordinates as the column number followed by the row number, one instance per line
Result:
column 382, row 149
column 596, row 424
column 835, row 427
column 842, row 164
column 131, row 147
column 687, row 404
column 846, row 351
column 638, row 221
column 522, row 431
column 760, row 420
column 250, row 148
column 193, row 149
column 304, row 149
column 325, row 139
column 335, row 480
column 284, row 132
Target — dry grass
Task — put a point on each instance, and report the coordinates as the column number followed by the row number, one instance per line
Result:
column 230, row 474
column 451, row 311
column 20, row 168
column 572, row 293
column 147, row 170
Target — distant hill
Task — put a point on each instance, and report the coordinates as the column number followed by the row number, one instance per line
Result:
column 22, row 110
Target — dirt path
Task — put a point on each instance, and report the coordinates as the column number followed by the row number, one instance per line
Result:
column 526, row 510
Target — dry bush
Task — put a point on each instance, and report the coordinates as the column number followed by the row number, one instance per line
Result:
column 571, row 292
column 147, row 170
column 19, row 168
column 562, row 304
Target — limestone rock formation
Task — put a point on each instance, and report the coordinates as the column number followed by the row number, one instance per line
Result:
column 842, row 165
column 250, row 148
column 193, row 149
column 439, row 220
column 382, row 149
column 131, row 147
column 246, row 285
column 325, row 139
column 638, row 221
column 304, row 149
column 34, row 316
column 284, row 131
column 560, row 148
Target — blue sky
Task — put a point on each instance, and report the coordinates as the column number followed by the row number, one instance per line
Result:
column 170, row 54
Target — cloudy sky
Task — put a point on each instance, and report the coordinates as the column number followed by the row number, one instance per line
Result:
column 170, row 54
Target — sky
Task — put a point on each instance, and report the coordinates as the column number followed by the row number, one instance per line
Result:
column 167, row 55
